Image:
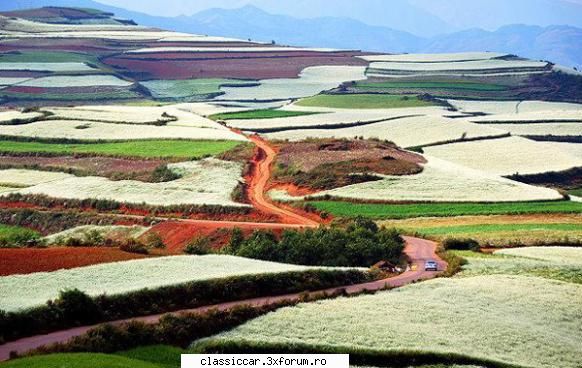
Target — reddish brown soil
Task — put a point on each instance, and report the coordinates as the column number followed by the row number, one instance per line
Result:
column 49, row 12
column 307, row 156
column 29, row 260
column 113, row 168
column 226, row 68
column 21, row 74
column 207, row 55
column 59, row 44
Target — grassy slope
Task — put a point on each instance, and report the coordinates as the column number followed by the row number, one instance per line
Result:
column 363, row 101
column 142, row 148
column 15, row 234
column 47, row 57
column 386, row 211
column 259, row 114
column 79, row 360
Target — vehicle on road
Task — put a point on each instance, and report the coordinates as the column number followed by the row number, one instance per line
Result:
column 431, row 266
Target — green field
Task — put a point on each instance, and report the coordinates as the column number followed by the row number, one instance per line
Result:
column 80, row 360
column 395, row 211
column 260, row 114
column 53, row 95
column 16, row 236
column 470, row 86
column 142, row 148
column 188, row 88
column 46, row 57
column 576, row 192
column 496, row 228
column 363, row 101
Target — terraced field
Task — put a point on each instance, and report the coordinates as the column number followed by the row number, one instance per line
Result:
column 515, row 286
column 142, row 149
column 395, row 211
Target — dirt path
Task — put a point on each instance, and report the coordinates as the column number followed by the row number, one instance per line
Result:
column 418, row 250
column 258, row 184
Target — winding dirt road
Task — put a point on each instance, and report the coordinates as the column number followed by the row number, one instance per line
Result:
column 417, row 250
column 258, row 184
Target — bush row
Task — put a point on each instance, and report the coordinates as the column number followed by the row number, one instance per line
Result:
column 54, row 222
column 74, row 308
column 110, row 205
column 359, row 243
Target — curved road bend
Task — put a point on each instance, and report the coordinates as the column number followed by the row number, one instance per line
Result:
column 258, row 184
column 418, row 250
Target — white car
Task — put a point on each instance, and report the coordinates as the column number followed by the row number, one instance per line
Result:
column 431, row 266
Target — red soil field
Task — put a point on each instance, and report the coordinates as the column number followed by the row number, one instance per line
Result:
column 257, row 68
column 228, row 55
column 22, row 74
column 114, row 168
column 205, row 44
column 29, row 260
column 176, row 235
column 49, row 12
column 27, row 90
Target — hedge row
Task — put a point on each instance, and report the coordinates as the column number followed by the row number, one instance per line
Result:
column 73, row 308
column 110, row 205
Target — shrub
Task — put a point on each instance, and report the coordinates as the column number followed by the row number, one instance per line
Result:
column 199, row 246
column 461, row 244
column 132, row 245
column 163, row 174
column 153, row 240
column 77, row 307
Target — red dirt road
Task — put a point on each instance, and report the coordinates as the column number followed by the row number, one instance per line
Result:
column 418, row 250
column 258, row 185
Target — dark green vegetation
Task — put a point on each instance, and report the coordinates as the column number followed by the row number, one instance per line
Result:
column 395, row 211
column 359, row 243
column 74, row 308
column 142, row 148
column 55, row 221
column 80, row 360
column 364, row 101
column 260, row 114
column 175, row 330
column 567, row 180
column 16, row 236
column 461, row 85
column 46, row 56
column 358, row 357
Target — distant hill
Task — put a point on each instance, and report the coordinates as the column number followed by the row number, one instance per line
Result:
column 559, row 44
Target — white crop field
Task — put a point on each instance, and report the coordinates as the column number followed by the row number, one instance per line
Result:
column 434, row 58
column 76, row 81
column 404, row 132
column 84, row 130
column 47, row 67
column 507, row 156
column 311, row 81
column 444, row 316
column 25, row 291
column 204, row 182
column 441, row 181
